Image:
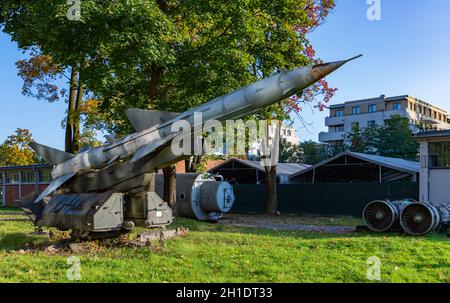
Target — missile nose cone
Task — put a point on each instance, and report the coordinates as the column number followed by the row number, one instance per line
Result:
column 322, row 70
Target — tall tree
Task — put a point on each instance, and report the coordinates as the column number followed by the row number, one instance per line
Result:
column 170, row 55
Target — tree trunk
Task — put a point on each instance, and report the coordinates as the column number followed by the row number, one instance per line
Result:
column 76, row 118
column 71, row 111
column 155, row 81
column 271, row 183
column 170, row 194
column 192, row 163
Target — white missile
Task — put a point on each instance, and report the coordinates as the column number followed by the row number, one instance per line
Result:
column 154, row 128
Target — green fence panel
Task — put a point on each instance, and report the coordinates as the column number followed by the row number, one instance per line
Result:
column 321, row 199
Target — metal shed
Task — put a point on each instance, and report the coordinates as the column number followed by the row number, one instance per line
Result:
column 238, row 171
column 351, row 167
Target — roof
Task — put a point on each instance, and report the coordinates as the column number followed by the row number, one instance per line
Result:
column 23, row 167
column 394, row 163
column 385, row 98
column 282, row 168
column 432, row 134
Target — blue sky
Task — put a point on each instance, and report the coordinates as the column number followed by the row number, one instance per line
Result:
column 406, row 52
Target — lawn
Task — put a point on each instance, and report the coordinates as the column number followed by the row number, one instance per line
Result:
column 221, row 253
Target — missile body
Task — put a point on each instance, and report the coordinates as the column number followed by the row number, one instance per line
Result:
column 149, row 148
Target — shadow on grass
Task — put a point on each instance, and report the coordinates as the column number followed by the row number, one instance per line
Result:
column 17, row 241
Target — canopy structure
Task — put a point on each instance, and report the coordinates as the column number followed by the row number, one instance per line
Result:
column 238, row 171
column 359, row 168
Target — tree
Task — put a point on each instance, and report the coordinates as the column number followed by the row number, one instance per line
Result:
column 201, row 50
column 312, row 152
column 15, row 150
column 394, row 139
column 288, row 153
column 170, row 55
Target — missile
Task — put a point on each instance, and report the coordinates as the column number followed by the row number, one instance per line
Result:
column 149, row 147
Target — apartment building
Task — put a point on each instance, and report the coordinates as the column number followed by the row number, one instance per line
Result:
column 370, row 112
column 286, row 132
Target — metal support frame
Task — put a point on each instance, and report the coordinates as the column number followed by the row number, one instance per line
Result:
column 20, row 184
column 4, row 189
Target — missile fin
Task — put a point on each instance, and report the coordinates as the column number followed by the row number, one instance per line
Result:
column 51, row 155
column 143, row 119
column 54, row 186
column 152, row 147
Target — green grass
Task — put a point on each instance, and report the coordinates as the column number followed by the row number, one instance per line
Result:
column 220, row 253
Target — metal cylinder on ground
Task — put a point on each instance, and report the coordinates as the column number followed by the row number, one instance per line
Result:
column 418, row 219
column 381, row 216
column 200, row 197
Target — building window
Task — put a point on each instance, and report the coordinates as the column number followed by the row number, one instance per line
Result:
column 371, row 123
column 45, row 176
column 28, row 176
column 356, row 110
column 289, row 133
column 397, row 106
column 339, row 113
column 12, row 177
column 339, row 129
column 439, row 154
column 372, row 108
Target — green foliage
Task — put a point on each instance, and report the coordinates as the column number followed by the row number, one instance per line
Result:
column 15, row 150
column 308, row 152
column 313, row 153
column 288, row 153
column 394, row 139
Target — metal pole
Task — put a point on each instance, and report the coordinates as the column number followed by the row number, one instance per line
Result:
column 20, row 184
column 314, row 176
column 380, row 174
column 36, row 181
column 4, row 189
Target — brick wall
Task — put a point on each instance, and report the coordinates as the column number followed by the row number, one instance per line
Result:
column 12, row 192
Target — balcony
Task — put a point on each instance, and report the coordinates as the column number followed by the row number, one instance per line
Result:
column 331, row 137
column 332, row 121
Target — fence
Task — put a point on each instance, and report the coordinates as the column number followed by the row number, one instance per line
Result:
column 321, row 199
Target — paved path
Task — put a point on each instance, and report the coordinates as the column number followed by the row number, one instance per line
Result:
column 299, row 227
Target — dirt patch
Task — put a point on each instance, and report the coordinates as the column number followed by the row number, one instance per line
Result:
column 296, row 223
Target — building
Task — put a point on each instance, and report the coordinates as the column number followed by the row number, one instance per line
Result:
column 20, row 181
column 238, row 171
column 435, row 166
column 370, row 112
column 350, row 167
column 287, row 132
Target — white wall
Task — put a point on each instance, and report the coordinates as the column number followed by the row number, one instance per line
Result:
column 439, row 186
